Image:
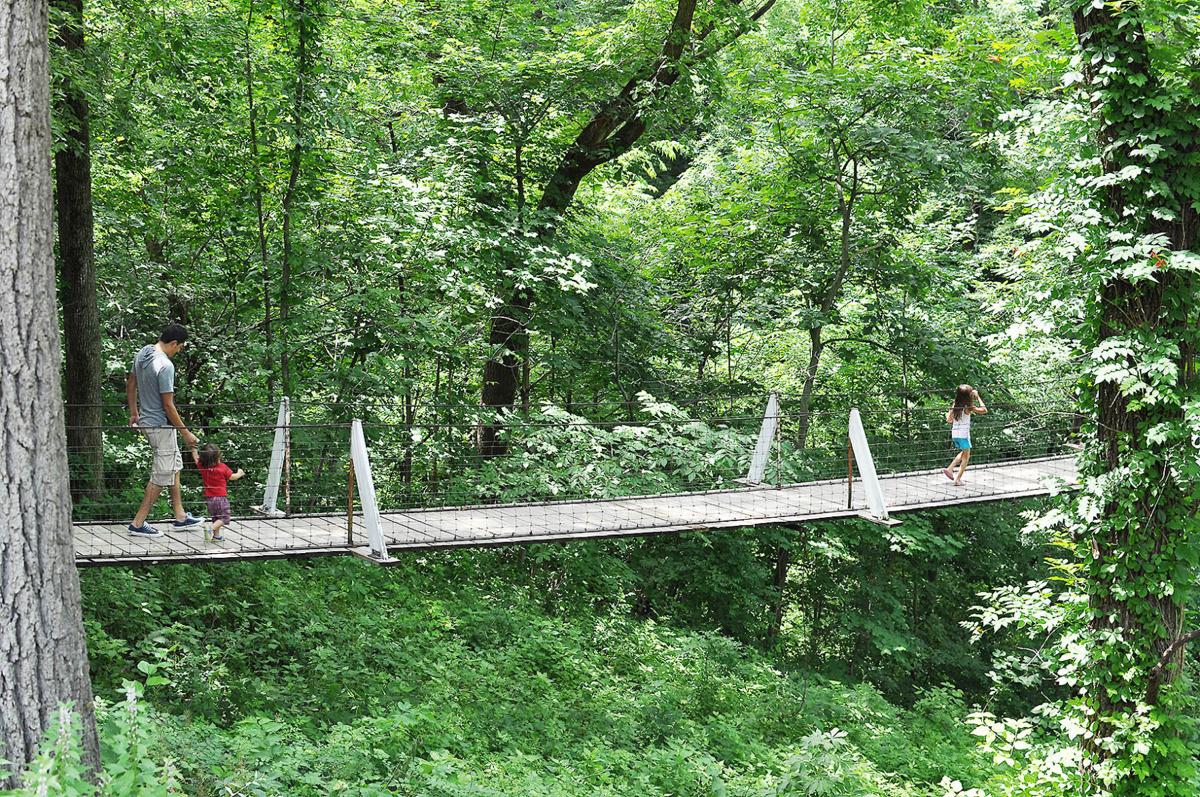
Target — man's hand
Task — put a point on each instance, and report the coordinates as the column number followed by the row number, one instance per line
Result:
column 189, row 438
column 133, row 420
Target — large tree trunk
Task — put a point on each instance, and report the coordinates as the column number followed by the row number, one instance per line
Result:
column 41, row 639
column 509, row 340
column 81, row 316
column 1140, row 572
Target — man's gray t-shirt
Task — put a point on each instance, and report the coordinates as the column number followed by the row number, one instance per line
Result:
column 155, row 375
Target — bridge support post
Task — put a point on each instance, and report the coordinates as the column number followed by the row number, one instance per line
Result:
column 762, row 449
column 366, row 494
column 876, row 506
column 269, row 506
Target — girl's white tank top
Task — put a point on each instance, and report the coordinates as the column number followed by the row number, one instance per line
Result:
column 962, row 426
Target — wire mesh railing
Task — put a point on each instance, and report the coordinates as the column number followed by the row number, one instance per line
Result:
column 429, row 458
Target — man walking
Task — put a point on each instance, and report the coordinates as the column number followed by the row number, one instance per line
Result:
column 151, row 386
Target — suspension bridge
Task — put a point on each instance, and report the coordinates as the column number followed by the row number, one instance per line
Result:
column 397, row 483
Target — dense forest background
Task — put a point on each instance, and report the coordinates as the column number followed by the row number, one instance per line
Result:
column 495, row 231
column 351, row 202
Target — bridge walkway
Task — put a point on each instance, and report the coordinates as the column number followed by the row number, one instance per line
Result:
column 251, row 538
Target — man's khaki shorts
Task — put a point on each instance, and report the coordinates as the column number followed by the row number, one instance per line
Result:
column 167, row 459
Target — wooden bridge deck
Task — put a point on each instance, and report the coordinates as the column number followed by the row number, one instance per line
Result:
column 316, row 535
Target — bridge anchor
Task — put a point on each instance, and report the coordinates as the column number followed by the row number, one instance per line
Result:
column 762, row 449
column 283, row 423
column 376, row 550
column 876, row 507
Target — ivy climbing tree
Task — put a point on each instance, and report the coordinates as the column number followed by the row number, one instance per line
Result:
column 1137, row 521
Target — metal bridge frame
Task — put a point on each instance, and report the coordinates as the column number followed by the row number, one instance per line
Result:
column 360, row 472
column 858, row 451
column 360, row 475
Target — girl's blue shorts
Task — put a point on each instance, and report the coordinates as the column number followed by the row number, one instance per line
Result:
column 962, row 443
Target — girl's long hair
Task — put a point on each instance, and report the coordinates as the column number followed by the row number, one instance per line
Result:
column 962, row 401
column 210, row 455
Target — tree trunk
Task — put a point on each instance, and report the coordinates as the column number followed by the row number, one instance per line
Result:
column 437, row 400
column 1140, row 572
column 409, row 374
column 81, row 316
column 673, row 170
column 256, row 172
column 783, row 559
column 830, row 293
column 816, row 347
column 304, row 21
column 783, row 556
column 41, row 640
column 509, row 342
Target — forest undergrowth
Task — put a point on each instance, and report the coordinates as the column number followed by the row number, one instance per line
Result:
column 590, row 669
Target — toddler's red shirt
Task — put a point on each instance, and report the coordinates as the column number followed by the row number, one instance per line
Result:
column 216, row 480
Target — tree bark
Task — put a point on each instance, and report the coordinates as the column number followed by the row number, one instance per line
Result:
column 256, row 172
column 304, row 21
column 816, row 348
column 829, row 296
column 783, row 559
column 509, row 341
column 41, row 640
column 1145, row 530
column 77, row 261
column 674, row 168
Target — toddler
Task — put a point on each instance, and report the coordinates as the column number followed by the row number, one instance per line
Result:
column 216, row 475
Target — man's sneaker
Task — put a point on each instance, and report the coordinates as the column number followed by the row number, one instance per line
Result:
column 188, row 522
column 144, row 530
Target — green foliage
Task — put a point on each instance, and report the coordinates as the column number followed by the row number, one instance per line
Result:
column 849, row 203
column 446, row 677
column 563, row 455
column 58, row 767
column 129, row 768
column 1134, row 530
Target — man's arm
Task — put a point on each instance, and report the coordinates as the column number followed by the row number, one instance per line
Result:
column 168, row 400
column 131, row 397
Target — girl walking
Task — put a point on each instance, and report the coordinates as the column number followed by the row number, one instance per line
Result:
column 216, row 475
column 966, row 404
